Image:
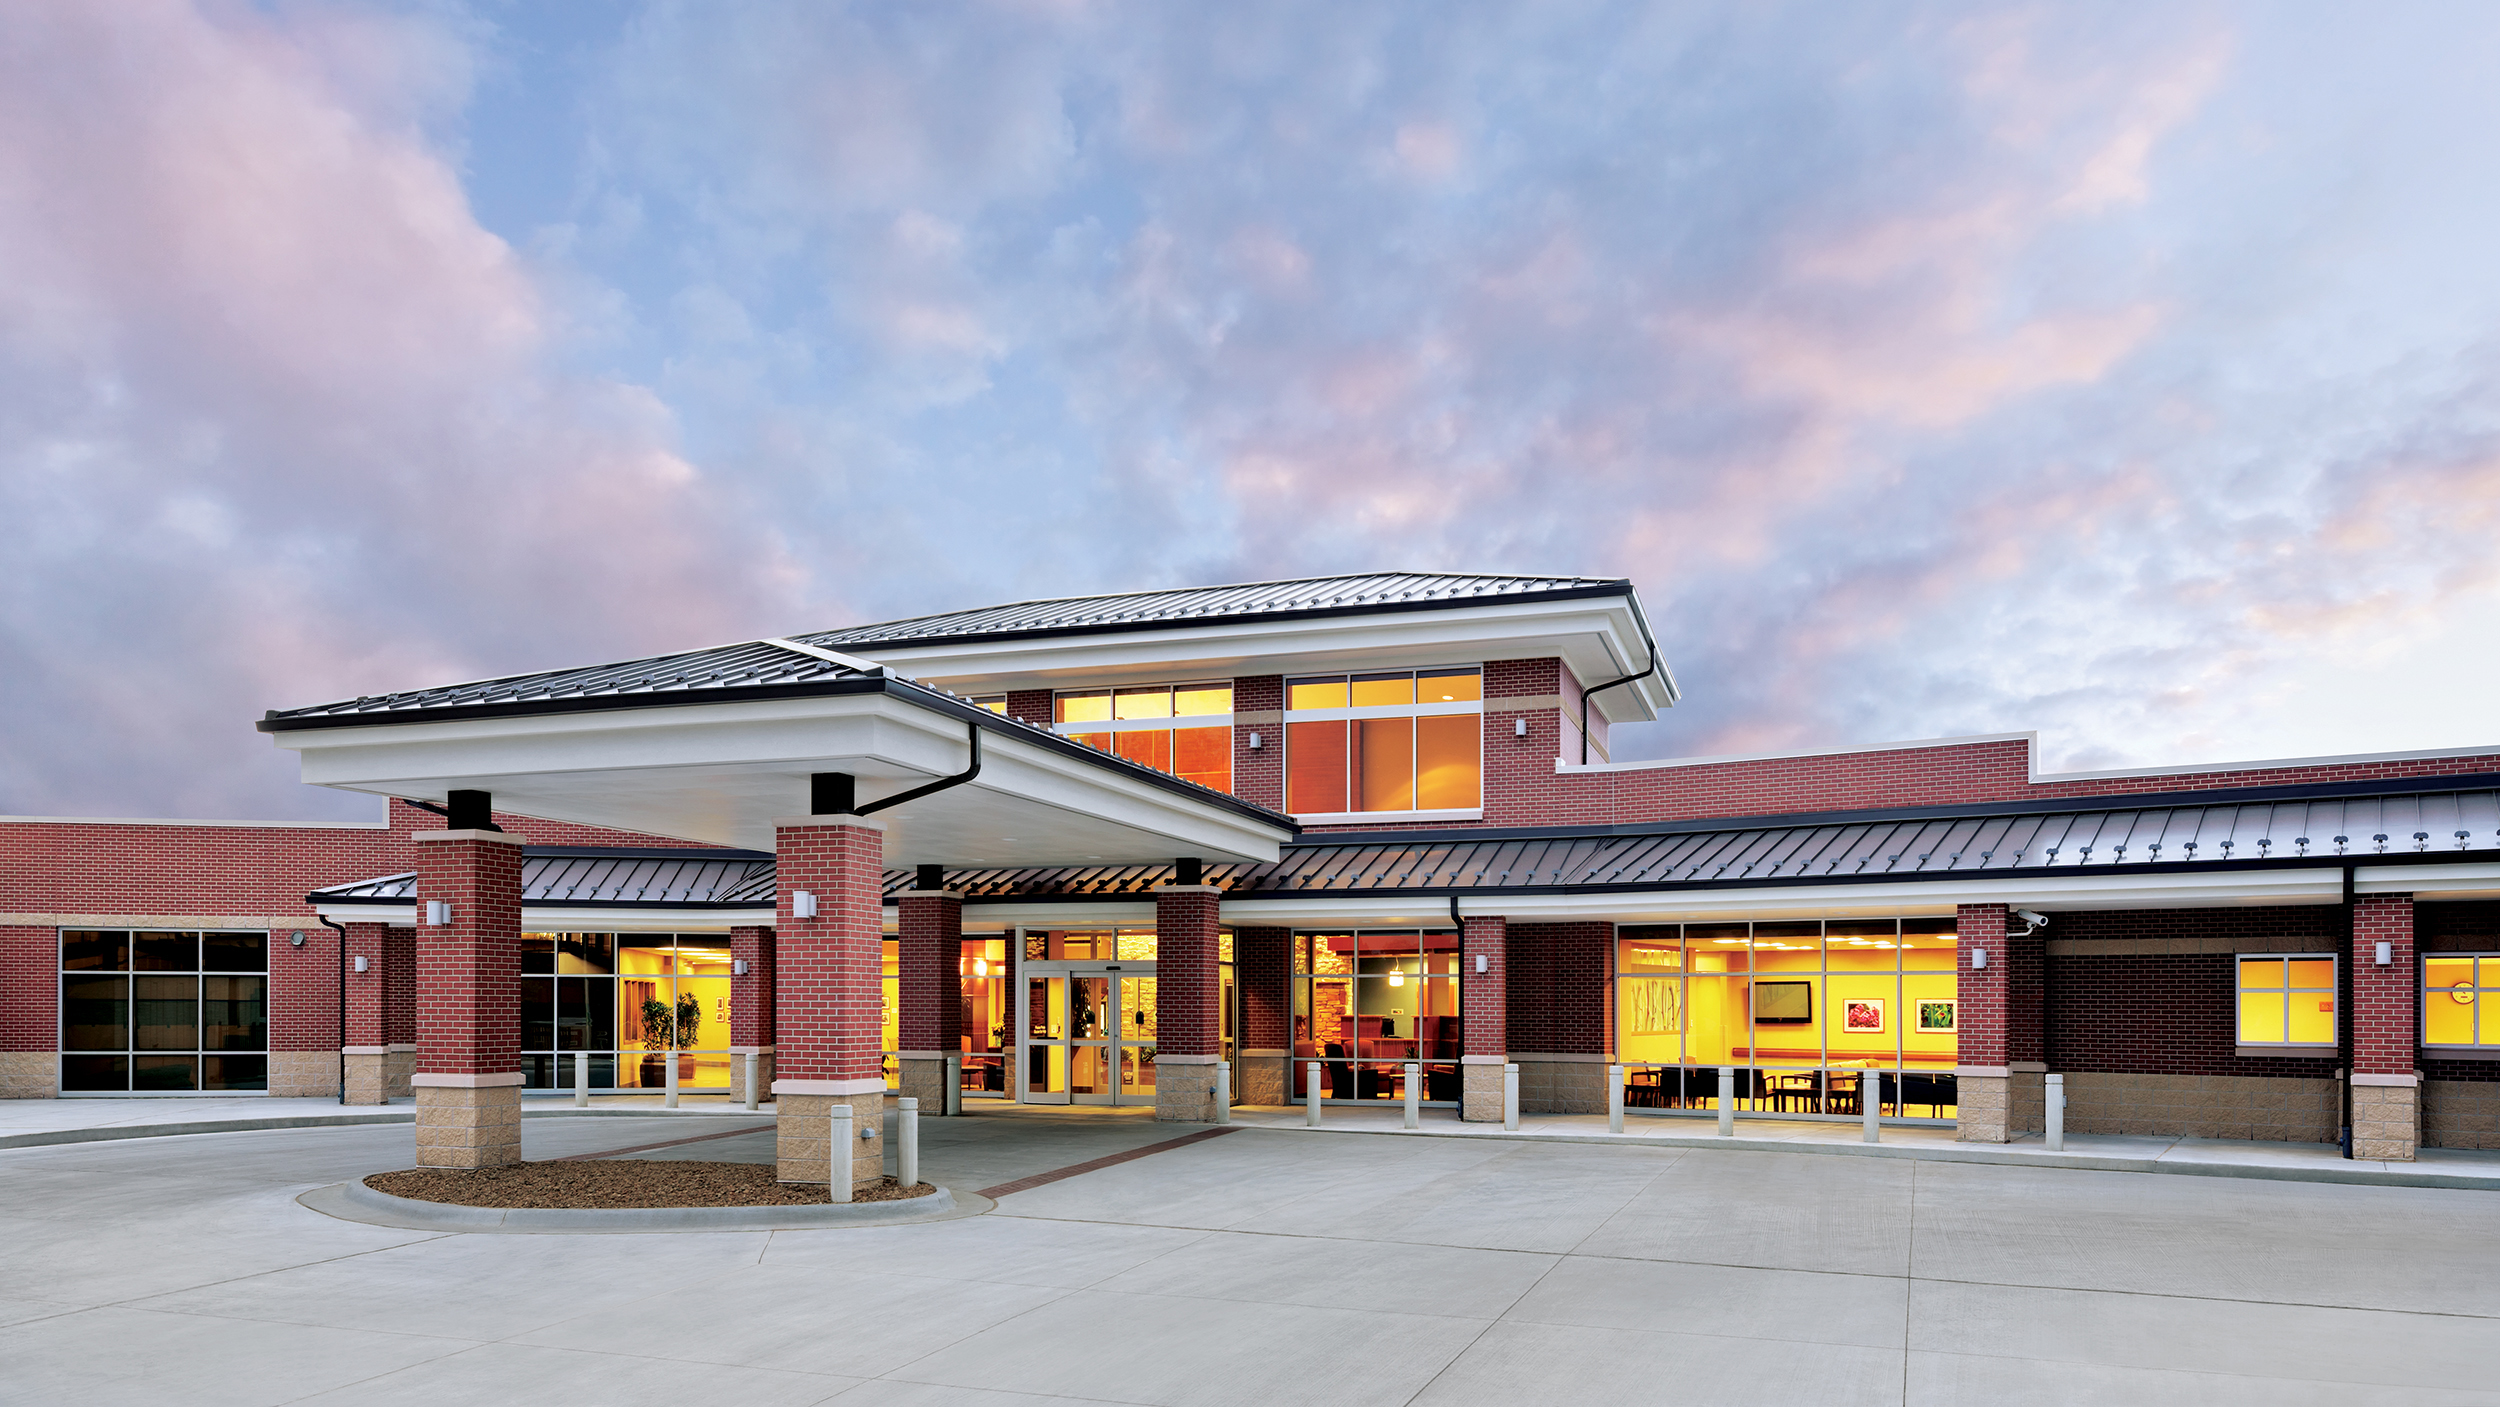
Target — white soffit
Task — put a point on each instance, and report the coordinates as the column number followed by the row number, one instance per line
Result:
column 1598, row 637
column 725, row 772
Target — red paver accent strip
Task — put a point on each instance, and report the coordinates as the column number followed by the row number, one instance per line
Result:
column 1027, row 1184
column 671, row 1143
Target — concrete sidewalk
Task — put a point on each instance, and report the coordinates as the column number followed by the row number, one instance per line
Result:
column 34, row 1123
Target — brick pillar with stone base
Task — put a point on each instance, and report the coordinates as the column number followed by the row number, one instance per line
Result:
column 1484, row 987
column 2386, row 1088
column 1982, row 1075
column 1262, row 969
column 468, row 1077
column 366, row 1047
column 1189, row 1019
column 929, row 988
column 830, row 1003
column 751, row 1009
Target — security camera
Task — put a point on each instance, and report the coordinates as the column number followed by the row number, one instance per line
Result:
column 2036, row 919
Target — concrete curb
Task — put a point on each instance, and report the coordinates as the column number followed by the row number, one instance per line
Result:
column 354, row 1201
column 1969, row 1153
column 112, row 1132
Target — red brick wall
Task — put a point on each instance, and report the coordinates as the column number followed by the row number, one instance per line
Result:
column 304, row 989
column 2384, row 1022
column 1561, row 992
column 368, row 992
column 1485, row 1000
column 469, row 970
column 30, row 989
column 831, row 1002
column 2167, row 1013
column 751, row 994
column 1259, row 777
column 1262, row 958
column 401, row 1019
column 1981, row 991
column 1188, row 1020
column 929, row 943
column 1030, row 706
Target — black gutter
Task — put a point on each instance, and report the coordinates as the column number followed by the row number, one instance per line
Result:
column 955, row 780
column 1587, row 694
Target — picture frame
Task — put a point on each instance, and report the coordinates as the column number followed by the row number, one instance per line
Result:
column 1862, row 1016
column 1938, row 1016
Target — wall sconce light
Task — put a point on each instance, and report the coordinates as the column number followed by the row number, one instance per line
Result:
column 1978, row 958
column 2386, row 954
column 437, row 912
column 295, row 939
column 1519, row 727
column 360, row 962
column 802, row 904
column 1254, row 742
column 1480, row 961
column 737, row 967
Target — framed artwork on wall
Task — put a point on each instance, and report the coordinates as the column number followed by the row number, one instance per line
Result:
column 1862, row 1016
column 1937, row 1017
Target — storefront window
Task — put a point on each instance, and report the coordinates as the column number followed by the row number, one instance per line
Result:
column 1184, row 729
column 2457, row 992
column 632, row 1003
column 1367, row 1003
column 1810, row 1014
column 2287, row 1001
column 1405, row 741
column 163, row 1012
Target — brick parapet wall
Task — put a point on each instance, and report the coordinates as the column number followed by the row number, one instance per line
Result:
column 1980, row 991
column 831, row 1006
column 1262, row 963
column 469, row 970
column 929, row 941
column 1188, row 987
column 751, row 992
column 1561, row 990
column 2384, row 1020
column 1484, row 998
column 2168, row 1010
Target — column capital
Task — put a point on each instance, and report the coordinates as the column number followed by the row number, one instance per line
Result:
column 446, row 837
column 954, row 894
column 792, row 823
column 1162, row 889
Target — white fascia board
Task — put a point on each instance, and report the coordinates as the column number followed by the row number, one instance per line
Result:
column 398, row 915
column 1598, row 637
column 1107, row 913
column 2432, row 882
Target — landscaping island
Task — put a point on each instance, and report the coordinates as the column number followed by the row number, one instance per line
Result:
column 618, row 1183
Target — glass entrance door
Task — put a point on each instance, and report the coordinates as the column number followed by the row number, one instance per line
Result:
column 1090, row 1035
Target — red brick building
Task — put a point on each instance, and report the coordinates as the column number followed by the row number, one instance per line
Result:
column 1362, row 830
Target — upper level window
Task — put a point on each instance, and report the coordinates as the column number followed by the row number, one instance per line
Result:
column 1184, row 729
column 2458, row 990
column 2287, row 1000
column 1405, row 741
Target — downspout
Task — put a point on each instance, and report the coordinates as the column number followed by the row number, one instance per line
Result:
column 941, row 784
column 1587, row 694
column 341, row 931
column 2343, row 1001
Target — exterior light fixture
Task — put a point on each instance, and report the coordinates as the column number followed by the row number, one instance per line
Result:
column 2386, row 954
column 360, row 962
column 1519, row 727
column 437, row 913
column 802, row 904
column 1978, row 958
column 1480, row 961
column 295, row 939
column 737, row 967
column 1255, row 742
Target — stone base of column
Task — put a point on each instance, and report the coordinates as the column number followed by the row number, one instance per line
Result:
column 1262, row 1079
column 2386, row 1122
column 925, row 1080
column 1983, row 1105
column 799, row 1151
column 368, row 1074
column 1184, row 1094
column 738, row 1075
column 304, row 1074
column 468, row 1128
column 2026, row 1100
column 1480, row 1093
column 399, row 1072
column 30, row 1074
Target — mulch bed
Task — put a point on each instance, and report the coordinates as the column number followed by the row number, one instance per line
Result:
column 622, row 1182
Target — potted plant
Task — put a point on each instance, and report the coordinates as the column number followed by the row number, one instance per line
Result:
column 663, row 1030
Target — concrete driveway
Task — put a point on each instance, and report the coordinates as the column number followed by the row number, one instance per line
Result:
column 1255, row 1267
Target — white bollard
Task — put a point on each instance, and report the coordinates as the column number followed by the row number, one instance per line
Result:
column 907, row 1142
column 1310, row 1096
column 1510, row 1098
column 581, row 1079
column 672, row 1079
column 1414, row 1096
column 954, row 1085
column 838, row 1142
column 755, row 1096
column 1614, row 1099
column 1727, row 1101
column 1870, row 1106
column 1223, row 1092
column 2057, row 1113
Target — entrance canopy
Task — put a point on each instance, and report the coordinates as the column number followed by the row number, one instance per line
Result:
column 716, row 745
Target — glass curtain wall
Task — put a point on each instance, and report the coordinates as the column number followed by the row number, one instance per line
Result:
column 633, row 1002
column 1366, row 1003
column 988, row 1038
column 1184, row 729
column 1813, row 1015
column 163, row 1012
column 1405, row 741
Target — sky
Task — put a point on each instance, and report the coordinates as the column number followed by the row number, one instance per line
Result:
column 2128, row 374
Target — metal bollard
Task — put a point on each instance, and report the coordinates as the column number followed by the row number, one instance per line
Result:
column 1614, row 1099
column 1414, row 1096
column 838, row 1144
column 1870, row 1105
column 1727, row 1101
column 1223, row 1092
column 1310, row 1096
column 754, row 1095
column 1510, row 1098
column 581, row 1079
column 2057, row 1113
column 954, row 1086
column 672, row 1079
column 907, row 1142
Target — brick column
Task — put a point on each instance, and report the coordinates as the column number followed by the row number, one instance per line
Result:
column 1263, row 969
column 830, row 1001
column 30, row 1012
column 1189, row 1020
column 750, row 1008
column 399, row 1012
column 929, row 954
column 468, row 1077
column 1982, row 1073
column 1485, row 999
column 2386, row 1088
column 366, row 1048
